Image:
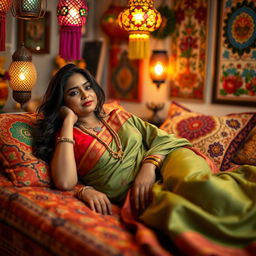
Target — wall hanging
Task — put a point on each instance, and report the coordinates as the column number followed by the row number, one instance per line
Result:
column 139, row 19
column 35, row 33
column 189, row 49
column 5, row 6
column 71, row 16
column 236, row 53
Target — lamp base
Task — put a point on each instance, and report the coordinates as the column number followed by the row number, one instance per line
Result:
column 21, row 96
column 155, row 107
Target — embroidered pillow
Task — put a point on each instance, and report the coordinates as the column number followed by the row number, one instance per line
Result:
column 16, row 157
column 218, row 137
column 247, row 153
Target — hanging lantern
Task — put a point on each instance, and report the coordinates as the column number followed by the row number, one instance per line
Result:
column 158, row 67
column 29, row 9
column 5, row 5
column 140, row 18
column 23, row 74
column 110, row 26
column 71, row 16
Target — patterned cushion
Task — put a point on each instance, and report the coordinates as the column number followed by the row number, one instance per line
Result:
column 218, row 137
column 247, row 153
column 16, row 156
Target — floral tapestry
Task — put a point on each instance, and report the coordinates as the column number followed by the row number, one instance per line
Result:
column 188, row 49
column 236, row 53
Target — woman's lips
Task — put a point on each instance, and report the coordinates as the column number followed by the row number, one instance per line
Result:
column 88, row 103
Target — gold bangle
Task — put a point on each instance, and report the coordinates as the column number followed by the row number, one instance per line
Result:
column 155, row 163
column 63, row 139
column 156, row 158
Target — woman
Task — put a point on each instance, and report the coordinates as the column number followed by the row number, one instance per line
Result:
column 111, row 153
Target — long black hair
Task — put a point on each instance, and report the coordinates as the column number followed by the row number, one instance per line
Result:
column 48, row 121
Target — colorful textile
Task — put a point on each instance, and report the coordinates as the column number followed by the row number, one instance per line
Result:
column 247, row 153
column 114, row 176
column 218, row 137
column 16, row 157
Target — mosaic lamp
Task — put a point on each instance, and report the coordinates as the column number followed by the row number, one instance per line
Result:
column 71, row 15
column 158, row 67
column 23, row 74
column 5, row 6
column 139, row 19
column 29, row 9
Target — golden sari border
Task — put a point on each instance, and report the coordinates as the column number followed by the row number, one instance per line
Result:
column 95, row 151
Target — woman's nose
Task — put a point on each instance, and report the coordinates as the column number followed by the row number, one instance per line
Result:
column 84, row 94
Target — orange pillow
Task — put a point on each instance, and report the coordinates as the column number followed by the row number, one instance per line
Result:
column 247, row 153
column 16, row 157
column 218, row 137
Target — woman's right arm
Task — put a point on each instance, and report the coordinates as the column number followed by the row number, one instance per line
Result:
column 63, row 164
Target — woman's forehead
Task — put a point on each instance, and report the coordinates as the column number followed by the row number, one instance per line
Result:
column 76, row 79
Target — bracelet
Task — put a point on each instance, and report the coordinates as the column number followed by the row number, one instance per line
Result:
column 155, row 160
column 152, row 162
column 63, row 139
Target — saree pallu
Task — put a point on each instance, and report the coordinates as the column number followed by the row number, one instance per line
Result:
column 202, row 211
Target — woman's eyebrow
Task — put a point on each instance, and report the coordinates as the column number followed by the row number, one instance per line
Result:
column 76, row 87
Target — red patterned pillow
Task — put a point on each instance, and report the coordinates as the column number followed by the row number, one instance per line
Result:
column 16, row 157
column 218, row 137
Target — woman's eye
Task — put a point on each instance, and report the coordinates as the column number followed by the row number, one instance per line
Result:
column 88, row 87
column 73, row 93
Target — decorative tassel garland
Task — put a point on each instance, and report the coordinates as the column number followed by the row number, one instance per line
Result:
column 69, row 47
column 2, row 31
column 138, row 46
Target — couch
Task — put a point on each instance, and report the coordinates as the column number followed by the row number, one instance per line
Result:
column 37, row 219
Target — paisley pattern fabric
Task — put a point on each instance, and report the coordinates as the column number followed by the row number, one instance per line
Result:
column 218, row 137
column 247, row 153
column 16, row 156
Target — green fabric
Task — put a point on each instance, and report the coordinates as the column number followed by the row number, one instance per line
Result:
column 220, row 206
column 139, row 139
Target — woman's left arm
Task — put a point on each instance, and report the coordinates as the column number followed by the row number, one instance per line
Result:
column 144, row 181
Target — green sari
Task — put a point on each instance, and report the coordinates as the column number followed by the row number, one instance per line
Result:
column 200, row 211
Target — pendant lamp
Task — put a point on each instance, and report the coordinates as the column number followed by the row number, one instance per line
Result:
column 5, row 5
column 23, row 74
column 71, row 16
column 29, row 9
column 139, row 19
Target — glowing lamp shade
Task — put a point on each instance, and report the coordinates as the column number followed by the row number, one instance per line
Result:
column 5, row 5
column 158, row 66
column 139, row 19
column 71, row 16
column 29, row 9
column 23, row 75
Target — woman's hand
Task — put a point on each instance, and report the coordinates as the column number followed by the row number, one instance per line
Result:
column 97, row 201
column 66, row 113
column 142, row 188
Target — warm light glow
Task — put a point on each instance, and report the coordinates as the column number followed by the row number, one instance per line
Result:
column 73, row 12
column 159, row 69
column 22, row 76
column 138, row 36
column 138, row 17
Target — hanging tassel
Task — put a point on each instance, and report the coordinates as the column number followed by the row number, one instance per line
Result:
column 2, row 32
column 138, row 46
column 69, row 47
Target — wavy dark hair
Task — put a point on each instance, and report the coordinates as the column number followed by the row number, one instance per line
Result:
column 49, row 122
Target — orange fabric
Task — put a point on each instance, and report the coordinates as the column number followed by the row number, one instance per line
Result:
column 144, row 235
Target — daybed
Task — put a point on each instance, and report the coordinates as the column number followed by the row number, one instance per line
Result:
column 38, row 220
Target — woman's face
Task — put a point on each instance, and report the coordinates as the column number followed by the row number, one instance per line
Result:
column 79, row 95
